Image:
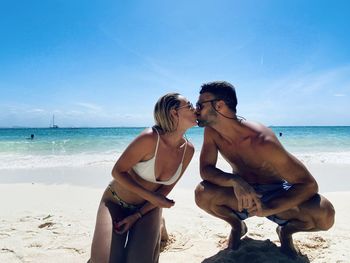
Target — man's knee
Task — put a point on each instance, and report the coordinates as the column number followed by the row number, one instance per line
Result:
column 327, row 219
column 201, row 195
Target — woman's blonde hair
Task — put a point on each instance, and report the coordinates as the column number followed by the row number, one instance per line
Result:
column 162, row 116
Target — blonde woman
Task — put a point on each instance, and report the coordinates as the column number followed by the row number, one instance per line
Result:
column 129, row 215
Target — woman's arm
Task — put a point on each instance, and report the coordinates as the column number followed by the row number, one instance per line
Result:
column 125, row 224
column 164, row 190
column 143, row 146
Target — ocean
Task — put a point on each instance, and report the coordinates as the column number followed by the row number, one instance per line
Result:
column 75, row 147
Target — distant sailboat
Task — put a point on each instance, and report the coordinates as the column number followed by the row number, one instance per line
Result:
column 53, row 126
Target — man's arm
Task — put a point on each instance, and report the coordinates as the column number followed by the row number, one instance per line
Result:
column 245, row 194
column 208, row 159
column 294, row 172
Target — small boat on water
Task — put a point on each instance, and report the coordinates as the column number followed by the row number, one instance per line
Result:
column 53, row 125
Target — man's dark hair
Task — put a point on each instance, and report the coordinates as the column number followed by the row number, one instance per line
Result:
column 222, row 90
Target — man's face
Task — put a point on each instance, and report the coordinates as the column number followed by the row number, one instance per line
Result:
column 206, row 114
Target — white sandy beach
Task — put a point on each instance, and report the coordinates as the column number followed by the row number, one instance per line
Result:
column 54, row 222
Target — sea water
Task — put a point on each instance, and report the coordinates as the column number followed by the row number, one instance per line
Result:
column 102, row 146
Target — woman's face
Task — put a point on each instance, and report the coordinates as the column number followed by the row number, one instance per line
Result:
column 186, row 113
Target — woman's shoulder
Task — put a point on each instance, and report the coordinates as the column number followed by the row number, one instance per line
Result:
column 190, row 145
column 190, row 148
column 147, row 136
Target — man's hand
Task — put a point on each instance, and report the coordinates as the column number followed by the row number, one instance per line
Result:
column 160, row 200
column 262, row 212
column 246, row 195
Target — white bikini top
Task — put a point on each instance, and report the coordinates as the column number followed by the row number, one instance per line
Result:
column 146, row 169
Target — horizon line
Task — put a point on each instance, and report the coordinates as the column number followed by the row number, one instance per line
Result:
column 110, row 127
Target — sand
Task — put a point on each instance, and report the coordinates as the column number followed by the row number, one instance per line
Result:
column 52, row 220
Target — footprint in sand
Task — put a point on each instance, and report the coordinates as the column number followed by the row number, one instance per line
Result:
column 223, row 242
column 318, row 239
column 34, row 245
column 176, row 242
column 314, row 242
column 77, row 250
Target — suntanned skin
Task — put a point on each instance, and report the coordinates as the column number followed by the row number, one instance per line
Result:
column 133, row 189
column 256, row 157
column 143, row 227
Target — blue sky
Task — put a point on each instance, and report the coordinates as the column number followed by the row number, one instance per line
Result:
column 105, row 63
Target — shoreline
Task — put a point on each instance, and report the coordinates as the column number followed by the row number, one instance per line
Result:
column 331, row 177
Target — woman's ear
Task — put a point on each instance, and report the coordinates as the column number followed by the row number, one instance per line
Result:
column 173, row 113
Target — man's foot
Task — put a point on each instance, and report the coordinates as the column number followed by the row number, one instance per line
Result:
column 235, row 236
column 287, row 246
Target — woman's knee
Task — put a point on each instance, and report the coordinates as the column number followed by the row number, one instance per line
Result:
column 98, row 257
column 144, row 238
column 153, row 216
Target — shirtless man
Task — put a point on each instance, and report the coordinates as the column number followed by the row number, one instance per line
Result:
column 266, row 181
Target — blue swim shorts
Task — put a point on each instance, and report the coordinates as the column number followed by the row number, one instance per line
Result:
column 268, row 192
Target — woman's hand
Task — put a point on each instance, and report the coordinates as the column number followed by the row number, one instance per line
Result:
column 124, row 225
column 160, row 200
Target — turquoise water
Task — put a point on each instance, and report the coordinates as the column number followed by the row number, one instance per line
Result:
column 307, row 139
column 95, row 146
column 74, row 140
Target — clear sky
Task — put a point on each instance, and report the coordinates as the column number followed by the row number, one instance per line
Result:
column 105, row 63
